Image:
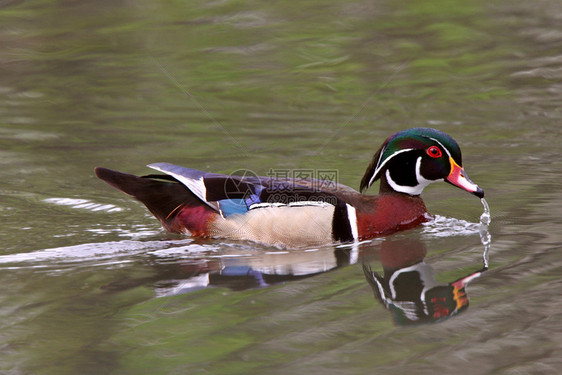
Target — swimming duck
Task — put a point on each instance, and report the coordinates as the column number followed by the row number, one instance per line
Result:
column 291, row 212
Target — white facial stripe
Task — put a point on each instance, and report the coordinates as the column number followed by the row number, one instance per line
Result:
column 379, row 166
column 352, row 217
column 422, row 180
column 412, row 190
column 376, row 169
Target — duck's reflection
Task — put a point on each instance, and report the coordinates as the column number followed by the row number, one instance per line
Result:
column 407, row 286
column 258, row 271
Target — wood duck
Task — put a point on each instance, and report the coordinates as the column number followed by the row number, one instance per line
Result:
column 291, row 212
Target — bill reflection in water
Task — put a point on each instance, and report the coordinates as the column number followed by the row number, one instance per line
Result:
column 408, row 288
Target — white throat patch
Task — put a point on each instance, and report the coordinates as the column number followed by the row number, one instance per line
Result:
column 412, row 190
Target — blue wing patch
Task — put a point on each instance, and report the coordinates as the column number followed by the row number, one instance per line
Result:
column 234, row 206
column 229, row 207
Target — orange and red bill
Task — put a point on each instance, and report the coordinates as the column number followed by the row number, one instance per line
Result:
column 459, row 178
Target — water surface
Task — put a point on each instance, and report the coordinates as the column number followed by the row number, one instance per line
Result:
column 90, row 282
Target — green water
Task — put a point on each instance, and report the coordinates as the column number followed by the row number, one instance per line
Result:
column 92, row 285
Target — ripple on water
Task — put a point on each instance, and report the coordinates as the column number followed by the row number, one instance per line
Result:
column 83, row 204
column 97, row 253
column 442, row 226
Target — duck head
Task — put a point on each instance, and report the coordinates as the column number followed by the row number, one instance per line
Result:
column 410, row 160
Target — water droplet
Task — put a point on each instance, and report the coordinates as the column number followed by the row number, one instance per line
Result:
column 485, row 236
column 485, row 218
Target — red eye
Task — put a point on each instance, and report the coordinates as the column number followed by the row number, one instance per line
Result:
column 434, row 152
